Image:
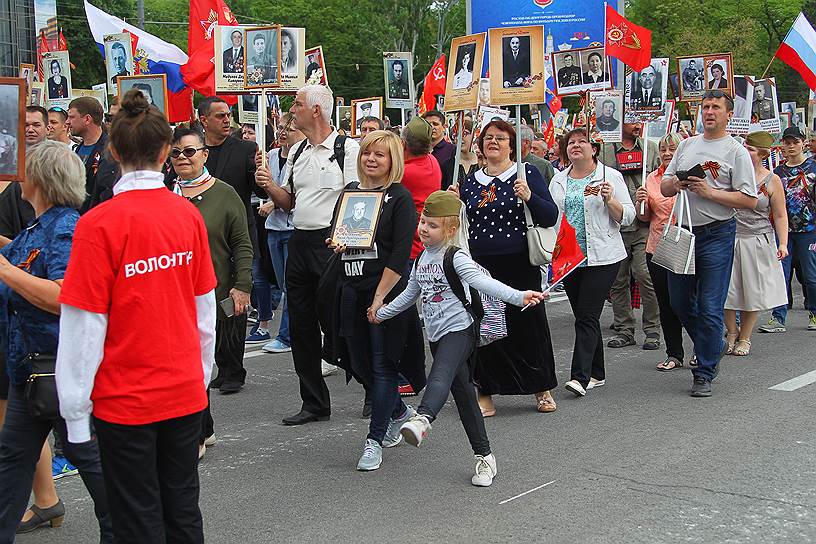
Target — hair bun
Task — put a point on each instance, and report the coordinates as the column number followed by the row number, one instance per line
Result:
column 134, row 103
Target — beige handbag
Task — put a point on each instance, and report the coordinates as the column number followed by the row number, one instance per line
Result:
column 540, row 240
column 675, row 249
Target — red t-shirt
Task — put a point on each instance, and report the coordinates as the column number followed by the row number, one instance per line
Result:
column 142, row 258
column 422, row 177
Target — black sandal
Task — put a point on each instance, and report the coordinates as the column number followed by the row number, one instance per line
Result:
column 670, row 363
column 54, row 515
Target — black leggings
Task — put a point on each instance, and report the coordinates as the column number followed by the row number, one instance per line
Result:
column 450, row 373
column 669, row 322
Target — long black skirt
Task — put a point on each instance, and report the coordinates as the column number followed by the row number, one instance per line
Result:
column 523, row 362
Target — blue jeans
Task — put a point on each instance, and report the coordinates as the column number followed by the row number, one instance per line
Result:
column 802, row 246
column 278, row 241
column 698, row 300
column 267, row 297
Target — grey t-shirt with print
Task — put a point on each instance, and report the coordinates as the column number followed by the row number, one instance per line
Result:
column 444, row 312
column 727, row 165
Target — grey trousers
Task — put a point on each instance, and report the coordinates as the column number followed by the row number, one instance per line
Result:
column 635, row 265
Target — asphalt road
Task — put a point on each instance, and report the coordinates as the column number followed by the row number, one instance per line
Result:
column 636, row 461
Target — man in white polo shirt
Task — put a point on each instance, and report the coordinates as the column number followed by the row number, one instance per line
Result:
column 321, row 165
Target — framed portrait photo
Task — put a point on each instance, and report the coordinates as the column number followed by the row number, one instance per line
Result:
column 118, row 58
column 356, row 219
column 364, row 107
column 463, row 86
column 516, row 65
column 229, row 58
column 646, row 91
column 765, row 107
column 153, row 86
column 316, row 67
column 343, row 121
column 57, row 69
column 579, row 70
column 800, row 119
column 93, row 93
column 608, row 114
column 701, row 73
column 292, row 60
column 12, row 128
column 36, row 94
column 398, row 70
column 743, row 100
column 263, row 49
column 784, row 122
column 27, row 73
column 248, row 108
column 719, row 73
column 663, row 125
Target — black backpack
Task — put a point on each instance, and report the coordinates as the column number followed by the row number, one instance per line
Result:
column 474, row 307
column 339, row 156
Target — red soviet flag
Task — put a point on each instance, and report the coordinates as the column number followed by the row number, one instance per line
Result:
column 199, row 72
column 434, row 86
column 627, row 42
column 567, row 255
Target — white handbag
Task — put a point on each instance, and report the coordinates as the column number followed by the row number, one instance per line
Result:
column 675, row 249
column 540, row 240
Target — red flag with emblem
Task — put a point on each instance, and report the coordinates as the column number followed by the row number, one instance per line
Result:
column 434, row 86
column 627, row 42
column 62, row 43
column 555, row 104
column 549, row 133
column 199, row 72
column 42, row 47
column 567, row 255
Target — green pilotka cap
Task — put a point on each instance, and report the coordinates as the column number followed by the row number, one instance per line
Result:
column 420, row 129
column 760, row 139
column 442, row 204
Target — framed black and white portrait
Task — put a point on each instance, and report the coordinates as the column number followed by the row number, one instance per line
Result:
column 578, row 70
column 464, row 88
column 292, row 59
column 398, row 79
column 356, row 219
column 765, row 107
column 118, row 58
column 152, row 86
column 344, row 118
column 248, row 108
column 362, row 108
column 516, row 65
column 608, row 113
column 719, row 74
column 262, row 65
column 316, row 67
column 646, row 91
column 740, row 121
column 57, row 69
column 12, row 128
column 593, row 68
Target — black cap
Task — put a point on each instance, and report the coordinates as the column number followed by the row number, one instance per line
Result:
column 793, row 132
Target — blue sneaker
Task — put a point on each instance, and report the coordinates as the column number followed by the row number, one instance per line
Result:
column 258, row 336
column 371, row 458
column 60, row 468
column 276, row 346
column 392, row 433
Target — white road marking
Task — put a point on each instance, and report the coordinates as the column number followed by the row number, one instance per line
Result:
column 256, row 353
column 795, row 383
column 505, row 501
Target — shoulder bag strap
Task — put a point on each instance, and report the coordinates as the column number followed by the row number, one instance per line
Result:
column 298, row 153
column 453, row 278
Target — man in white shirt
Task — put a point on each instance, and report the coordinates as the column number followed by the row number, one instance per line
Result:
column 728, row 183
column 316, row 182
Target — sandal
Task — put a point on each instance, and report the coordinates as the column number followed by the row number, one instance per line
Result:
column 670, row 364
column 545, row 403
column 742, row 348
column 731, row 340
column 621, row 341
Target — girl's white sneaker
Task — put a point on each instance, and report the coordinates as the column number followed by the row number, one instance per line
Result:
column 486, row 470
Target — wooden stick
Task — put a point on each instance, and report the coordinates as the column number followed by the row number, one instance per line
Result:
column 260, row 134
column 645, row 160
column 768, row 68
column 457, row 156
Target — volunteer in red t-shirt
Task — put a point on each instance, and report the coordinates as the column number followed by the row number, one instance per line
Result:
column 137, row 337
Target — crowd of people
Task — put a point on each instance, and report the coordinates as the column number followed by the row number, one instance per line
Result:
column 128, row 229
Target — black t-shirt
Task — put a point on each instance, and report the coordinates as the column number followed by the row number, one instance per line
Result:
column 212, row 158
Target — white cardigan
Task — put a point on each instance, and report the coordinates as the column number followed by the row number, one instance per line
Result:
column 604, row 244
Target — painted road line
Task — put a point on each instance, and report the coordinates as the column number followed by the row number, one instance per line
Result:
column 797, row 382
column 256, row 353
column 505, row 501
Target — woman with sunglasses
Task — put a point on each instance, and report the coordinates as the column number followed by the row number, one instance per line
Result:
column 522, row 363
column 230, row 247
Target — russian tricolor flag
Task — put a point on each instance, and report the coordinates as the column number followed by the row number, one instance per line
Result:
column 162, row 57
column 798, row 50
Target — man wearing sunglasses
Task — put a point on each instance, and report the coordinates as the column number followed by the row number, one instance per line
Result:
column 728, row 183
column 58, row 125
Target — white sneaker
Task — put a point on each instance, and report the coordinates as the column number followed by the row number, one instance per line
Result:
column 416, row 429
column 575, row 387
column 593, row 383
column 327, row 369
column 486, row 470
column 210, row 440
column 201, row 450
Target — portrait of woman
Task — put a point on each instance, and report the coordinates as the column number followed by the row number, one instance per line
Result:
column 57, row 83
column 718, row 79
column 288, row 52
column 464, row 66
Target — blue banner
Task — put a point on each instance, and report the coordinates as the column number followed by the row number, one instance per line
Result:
column 568, row 24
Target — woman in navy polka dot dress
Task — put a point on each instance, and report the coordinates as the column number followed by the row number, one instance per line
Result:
column 522, row 363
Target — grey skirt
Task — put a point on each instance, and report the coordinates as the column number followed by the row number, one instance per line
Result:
column 757, row 280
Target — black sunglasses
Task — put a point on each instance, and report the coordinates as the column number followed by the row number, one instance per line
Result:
column 187, row 151
column 716, row 93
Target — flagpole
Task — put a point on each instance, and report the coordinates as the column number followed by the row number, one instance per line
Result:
column 261, row 132
column 645, row 162
column 768, row 68
column 458, row 151
column 521, row 174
